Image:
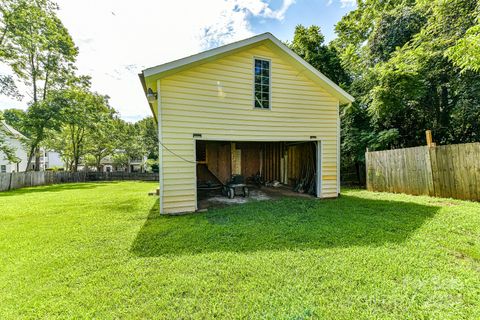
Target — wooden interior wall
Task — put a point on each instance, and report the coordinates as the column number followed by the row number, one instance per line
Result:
column 273, row 152
column 297, row 155
column 204, row 175
column 293, row 164
column 257, row 156
column 250, row 158
column 219, row 159
column 268, row 156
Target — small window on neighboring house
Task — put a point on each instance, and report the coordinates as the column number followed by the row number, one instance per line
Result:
column 262, row 84
column 3, row 168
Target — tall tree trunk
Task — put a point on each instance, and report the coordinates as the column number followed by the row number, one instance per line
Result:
column 34, row 78
column 37, row 159
column 74, row 149
column 45, row 87
column 30, row 156
column 75, row 164
column 98, row 160
column 47, row 73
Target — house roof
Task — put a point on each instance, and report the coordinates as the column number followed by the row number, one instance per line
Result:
column 11, row 131
column 209, row 55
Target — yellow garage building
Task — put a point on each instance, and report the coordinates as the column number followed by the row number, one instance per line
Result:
column 252, row 108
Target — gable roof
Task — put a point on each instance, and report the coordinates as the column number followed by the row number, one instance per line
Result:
column 11, row 131
column 213, row 54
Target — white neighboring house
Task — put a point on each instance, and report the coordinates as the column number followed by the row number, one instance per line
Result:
column 50, row 160
column 135, row 165
column 138, row 165
column 13, row 139
column 107, row 164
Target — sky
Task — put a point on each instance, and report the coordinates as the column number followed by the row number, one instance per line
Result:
column 117, row 39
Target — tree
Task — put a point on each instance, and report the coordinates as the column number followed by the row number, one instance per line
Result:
column 393, row 30
column 56, row 141
column 466, row 52
column 8, row 87
column 102, row 139
column 40, row 52
column 121, row 160
column 5, row 149
column 418, row 88
column 89, row 161
column 149, row 135
column 132, row 145
column 15, row 118
column 37, row 46
column 41, row 118
column 82, row 114
column 410, row 72
column 308, row 43
column 7, row 83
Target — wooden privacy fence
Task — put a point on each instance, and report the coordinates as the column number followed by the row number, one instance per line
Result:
column 16, row 180
column 451, row 171
column 110, row 176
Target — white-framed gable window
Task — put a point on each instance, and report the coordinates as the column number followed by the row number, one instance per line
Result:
column 262, row 83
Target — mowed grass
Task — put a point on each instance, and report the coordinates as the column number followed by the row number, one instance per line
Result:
column 100, row 250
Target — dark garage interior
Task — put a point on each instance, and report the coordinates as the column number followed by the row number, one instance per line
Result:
column 288, row 166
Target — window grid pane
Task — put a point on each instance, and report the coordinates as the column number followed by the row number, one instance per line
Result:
column 262, row 84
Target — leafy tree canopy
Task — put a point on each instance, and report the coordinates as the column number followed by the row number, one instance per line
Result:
column 308, row 43
column 411, row 66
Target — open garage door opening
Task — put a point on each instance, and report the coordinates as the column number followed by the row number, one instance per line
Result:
column 236, row 172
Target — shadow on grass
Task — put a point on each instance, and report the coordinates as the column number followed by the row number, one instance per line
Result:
column 285, row 224
column 56, row 188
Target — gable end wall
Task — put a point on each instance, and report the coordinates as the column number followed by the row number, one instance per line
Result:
column 216, row 100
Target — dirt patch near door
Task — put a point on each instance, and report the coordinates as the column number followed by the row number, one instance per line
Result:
column 255, row 195
column 214, row 198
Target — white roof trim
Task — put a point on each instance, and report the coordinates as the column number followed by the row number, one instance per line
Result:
column 12, row 130
column 243, row 43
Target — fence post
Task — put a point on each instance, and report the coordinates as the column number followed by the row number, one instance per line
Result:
column 10, row 181
column 428, row 134
column 367, row 180
column 428, row 162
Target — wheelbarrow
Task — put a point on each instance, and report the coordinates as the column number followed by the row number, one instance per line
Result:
column 235, row 186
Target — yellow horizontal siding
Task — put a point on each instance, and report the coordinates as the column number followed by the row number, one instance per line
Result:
column 215, row 99
column 179, row 207
column 176, row 198
column 330, row 195
column 209, row 116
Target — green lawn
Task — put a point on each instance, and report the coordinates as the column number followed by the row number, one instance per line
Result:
column 100, row 250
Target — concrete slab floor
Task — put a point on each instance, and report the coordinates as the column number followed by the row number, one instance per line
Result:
column 214, row 198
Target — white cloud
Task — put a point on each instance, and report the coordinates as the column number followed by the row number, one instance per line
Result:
column 232, row 20
column 117, row 39
column 275, row 14
column 343, row 3
column 348, row 3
